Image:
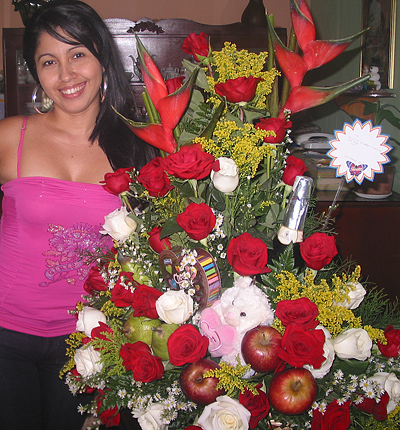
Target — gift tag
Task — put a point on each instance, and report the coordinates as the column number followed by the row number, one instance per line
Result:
column 200, row 272
column 359, row 151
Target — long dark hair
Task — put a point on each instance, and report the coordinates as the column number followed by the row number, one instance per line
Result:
column 84, row 26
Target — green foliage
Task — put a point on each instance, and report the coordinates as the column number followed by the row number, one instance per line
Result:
column 379, row 310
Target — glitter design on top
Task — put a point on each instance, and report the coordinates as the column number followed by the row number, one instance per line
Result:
column 66, row 258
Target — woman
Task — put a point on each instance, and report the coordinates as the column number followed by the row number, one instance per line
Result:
column 50, row 166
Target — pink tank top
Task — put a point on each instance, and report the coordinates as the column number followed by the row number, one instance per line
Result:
column 46, row 227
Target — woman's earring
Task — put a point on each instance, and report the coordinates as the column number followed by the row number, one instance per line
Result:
column 46, row 103
column 103, row 89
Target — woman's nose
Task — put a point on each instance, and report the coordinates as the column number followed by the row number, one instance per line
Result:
column 66, row 72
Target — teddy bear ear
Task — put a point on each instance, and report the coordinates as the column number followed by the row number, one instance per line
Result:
column 244, row 282
column 222, row 337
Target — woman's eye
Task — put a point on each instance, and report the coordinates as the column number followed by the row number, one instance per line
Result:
column 48, row 63
column 79, row 55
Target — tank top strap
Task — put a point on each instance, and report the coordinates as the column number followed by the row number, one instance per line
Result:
column 21, row 141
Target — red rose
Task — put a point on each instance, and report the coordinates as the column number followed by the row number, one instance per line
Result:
column 156, row 243
column 190, row 162
column 122, row 294
column 186, row 345
column 371, row 406
column 197, row 45
column 174, row 83
column 144, row 301
column 248, row 255
column 318, row 250
column 277, row 125
column 300, row 347
column 197, row 220
column 239, row 89
column 129, row 351
column 117, row 182
column 95, row 281
column 144, row 365
column 154, row 179
column 258, row 405
column 392, row 348
column 110, row 416
column 294, row 167
column 301, row 312
column 335, row 417
column 99, row 331
column 193, row 428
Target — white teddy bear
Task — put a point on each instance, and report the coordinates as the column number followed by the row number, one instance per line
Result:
column 375, row 77
column 241, row 308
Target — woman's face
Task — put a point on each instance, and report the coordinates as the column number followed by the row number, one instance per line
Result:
column 69, row 74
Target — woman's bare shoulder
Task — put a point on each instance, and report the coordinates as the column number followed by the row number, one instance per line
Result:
column 10, row 132
column 9, row 128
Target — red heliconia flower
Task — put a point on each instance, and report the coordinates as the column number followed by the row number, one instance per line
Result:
column 315, row 53
column 170, row 107
column 301, row 97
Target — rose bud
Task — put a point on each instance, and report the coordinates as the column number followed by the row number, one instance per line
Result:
column 156, row 243
column 224, row 175
column 117, row 182
column 294, row 167
column 276, row 125
column 239, row 90
column 174, row 83
column 197, row 45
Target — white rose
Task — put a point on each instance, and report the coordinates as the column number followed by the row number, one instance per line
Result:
column 353, row 343
column 151, row 418
column 119, row 225
column 88, row 319
column 227, row 178
column 390, row 383
column 87, row 361
column 174, row 307
column 355, row 296
column 329, row 354
column 224, row 414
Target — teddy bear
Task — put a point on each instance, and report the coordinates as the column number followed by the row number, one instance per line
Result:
column 240, row 308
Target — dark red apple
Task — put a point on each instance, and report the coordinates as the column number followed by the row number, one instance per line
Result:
column 259, row 346
column 292, row 391
column 202, row 391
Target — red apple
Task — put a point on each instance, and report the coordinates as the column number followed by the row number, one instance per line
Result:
column 292, row 391
column 259, row 346
column 202, row 391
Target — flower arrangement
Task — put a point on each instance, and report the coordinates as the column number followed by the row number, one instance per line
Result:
column 194, row 320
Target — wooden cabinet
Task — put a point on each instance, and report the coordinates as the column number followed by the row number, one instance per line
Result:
column 368, row 233
column 17, row 92
column 163, row 40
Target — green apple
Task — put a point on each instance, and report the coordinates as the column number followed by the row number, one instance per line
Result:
column 161, row 334
column 140, row 328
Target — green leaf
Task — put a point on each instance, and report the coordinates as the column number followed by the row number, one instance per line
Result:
column 350, row 367
column 170, row 227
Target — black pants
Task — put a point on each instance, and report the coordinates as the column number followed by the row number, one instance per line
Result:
column 32, row 396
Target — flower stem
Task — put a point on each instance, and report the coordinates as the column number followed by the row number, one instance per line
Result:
column 285, row 83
